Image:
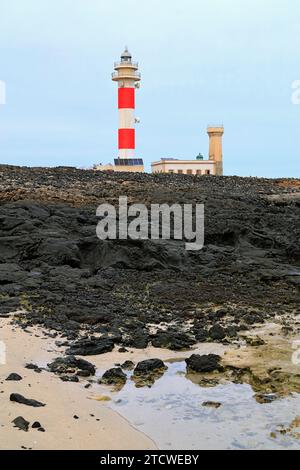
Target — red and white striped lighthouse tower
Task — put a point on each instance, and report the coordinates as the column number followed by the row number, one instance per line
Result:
column 128, row 78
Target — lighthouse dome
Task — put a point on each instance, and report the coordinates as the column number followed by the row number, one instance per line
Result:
column 126, row 56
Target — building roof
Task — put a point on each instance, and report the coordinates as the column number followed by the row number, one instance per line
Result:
column 183, row 162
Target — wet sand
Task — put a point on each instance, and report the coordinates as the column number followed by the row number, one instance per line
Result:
column 105, row 430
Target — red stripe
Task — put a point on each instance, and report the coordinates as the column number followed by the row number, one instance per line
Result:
column 126, row 98
column 126, row 138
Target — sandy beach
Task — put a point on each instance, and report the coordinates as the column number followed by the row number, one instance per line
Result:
column 104, row 430
column 76, row 417
column 97, row 426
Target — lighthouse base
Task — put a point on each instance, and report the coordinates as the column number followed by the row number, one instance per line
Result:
column 132, row 165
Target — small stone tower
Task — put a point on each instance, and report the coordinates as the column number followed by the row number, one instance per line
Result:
column 215, row 147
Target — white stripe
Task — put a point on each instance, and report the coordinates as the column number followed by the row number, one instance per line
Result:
column 126, row 153
column 126, row 118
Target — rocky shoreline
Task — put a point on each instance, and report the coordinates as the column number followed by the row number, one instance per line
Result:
column 39, row 411
column 102, row 294
column 46, row 390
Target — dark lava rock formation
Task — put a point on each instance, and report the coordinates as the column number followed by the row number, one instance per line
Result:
column 16, row 397
column 148, row 366
column 72, row 365
column 114, row 376
column 14, row 377
column 205, row 363
column 91, row 347
column 148, row 371
column 127, row 365
column 21, row 423
column 131, row 293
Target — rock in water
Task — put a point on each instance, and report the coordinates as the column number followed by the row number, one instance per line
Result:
column 148, row 366
column 83, row 373
column 91, row 347
column 264, row 398
column 16, row 397
column 114, row 376
column 21, row 423
column 205, row 363
column 14, row 377
column 147, row 372
column 211, row 404
column 127, row 365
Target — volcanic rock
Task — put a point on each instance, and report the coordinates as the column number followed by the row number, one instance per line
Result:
column 149, row 366
column 147, row 372
column 264, row 398
column 14, row 376
column 16, row 397
column 137, row 339
column 34, row 367
column 21, row 423
column 69, row 378
column 211, row 404
column 55, row 269
column 114, row 376
column 232, row 331
column 217, row 333
column 127, row 365
column 70, row 364
column 201, row 334
column 205, row 363
column 173, row 340
column 91, row 347
column 36, row 425
column 83, row 373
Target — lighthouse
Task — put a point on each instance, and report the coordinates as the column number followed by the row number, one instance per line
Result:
column 127, row 76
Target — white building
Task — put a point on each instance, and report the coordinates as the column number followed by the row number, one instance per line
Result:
column 199, row 166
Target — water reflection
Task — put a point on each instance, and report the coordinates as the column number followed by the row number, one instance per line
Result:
column 171, row 412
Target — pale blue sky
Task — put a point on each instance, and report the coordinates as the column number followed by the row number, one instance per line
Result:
column 202, row 61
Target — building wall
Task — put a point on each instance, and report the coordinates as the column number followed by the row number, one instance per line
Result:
column 130, row 169
column 193, row 167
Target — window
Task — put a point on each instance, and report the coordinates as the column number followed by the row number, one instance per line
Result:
column 171, row 171
column 189, row 172
column 207, row 172
column 199, row 172
column 180, row 172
